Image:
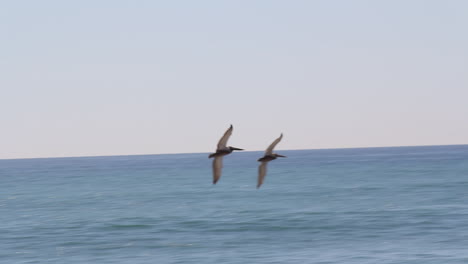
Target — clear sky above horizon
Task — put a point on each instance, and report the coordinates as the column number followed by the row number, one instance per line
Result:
column 85, row 78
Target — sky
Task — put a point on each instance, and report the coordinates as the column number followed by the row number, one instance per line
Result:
column 91, row 78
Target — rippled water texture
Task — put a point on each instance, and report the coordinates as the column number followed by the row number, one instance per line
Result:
column 379, row 205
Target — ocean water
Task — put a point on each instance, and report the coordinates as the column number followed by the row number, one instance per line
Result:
column 354, row 206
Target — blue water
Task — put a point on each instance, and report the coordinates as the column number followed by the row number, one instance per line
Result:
column 377, row 205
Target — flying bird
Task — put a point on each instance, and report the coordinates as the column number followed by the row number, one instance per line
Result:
column 221, row 151
column 269, row 156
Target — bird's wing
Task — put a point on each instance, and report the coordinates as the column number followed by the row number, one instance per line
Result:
column 269, row 150
column 217, row 166
column 223, row 141
column 262, row 169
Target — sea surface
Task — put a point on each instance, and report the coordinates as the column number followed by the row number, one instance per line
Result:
column 352, row 206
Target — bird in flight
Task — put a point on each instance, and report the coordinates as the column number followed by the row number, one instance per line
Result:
column 269, row 156
column 221, row 151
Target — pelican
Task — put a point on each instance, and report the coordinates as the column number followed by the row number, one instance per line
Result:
column 221, row 151
column 269, row 156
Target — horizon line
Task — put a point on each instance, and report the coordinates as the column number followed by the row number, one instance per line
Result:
column 155, row 154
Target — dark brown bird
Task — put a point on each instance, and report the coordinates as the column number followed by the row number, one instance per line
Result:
column 269, row 156
column 221, row 151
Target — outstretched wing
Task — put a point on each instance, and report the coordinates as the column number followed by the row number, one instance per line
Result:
column 223, row 141
column 262, row 169
column 217, row 166
column 269, row 150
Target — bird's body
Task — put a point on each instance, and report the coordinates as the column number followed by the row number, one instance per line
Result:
column 221, row 151
column 269, row 156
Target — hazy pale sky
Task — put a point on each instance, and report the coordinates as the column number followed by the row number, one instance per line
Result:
column 81, row 78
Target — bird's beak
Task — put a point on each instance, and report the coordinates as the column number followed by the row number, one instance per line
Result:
column 233, row 148
column 278, row 155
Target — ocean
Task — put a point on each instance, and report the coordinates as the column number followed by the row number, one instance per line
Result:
column 352, row 206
